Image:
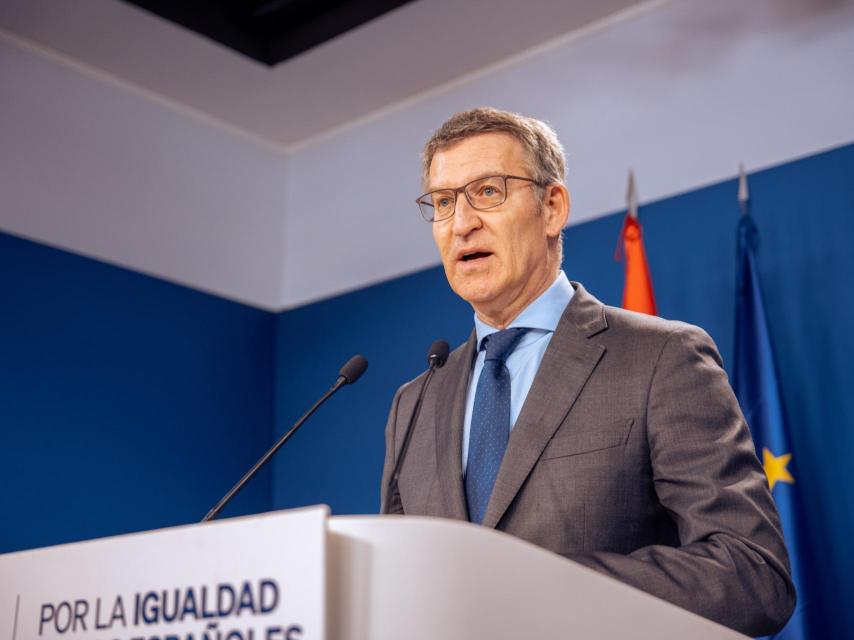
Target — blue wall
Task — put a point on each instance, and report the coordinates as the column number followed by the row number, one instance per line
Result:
column 805, row 214
column 126, row 403
column 338, row 457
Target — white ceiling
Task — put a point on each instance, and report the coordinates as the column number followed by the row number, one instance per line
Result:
column 404, row 53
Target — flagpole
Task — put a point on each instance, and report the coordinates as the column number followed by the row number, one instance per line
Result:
column 632, row 196
column 743, row 193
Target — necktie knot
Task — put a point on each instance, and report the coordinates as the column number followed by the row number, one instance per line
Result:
column 500, row 345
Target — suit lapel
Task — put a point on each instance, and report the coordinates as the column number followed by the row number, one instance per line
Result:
column 450, row 415
column 567, row 364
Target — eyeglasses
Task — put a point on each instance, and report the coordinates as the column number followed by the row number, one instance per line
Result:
column 482, row 194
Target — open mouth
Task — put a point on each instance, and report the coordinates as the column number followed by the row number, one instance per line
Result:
column 476, row 255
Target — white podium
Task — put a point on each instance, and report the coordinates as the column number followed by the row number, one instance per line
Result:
column 301, row 575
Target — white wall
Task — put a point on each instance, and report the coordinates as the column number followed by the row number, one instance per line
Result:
column 90, row 167
column 681, row 91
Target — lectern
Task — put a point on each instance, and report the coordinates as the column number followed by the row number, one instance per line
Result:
column 301, row 575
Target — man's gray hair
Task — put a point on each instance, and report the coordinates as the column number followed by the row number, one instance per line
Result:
column 546, row 156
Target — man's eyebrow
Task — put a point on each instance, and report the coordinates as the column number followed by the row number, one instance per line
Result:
column 481, row 176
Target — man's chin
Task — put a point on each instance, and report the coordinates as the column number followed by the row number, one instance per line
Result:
column 478, row 295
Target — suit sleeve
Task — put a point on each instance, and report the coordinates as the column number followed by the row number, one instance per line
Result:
column 732, row 565
column 389, row 495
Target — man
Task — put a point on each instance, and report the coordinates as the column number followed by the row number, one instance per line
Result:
column 609, row 437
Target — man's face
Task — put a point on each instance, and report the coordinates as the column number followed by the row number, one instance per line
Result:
column 501, row 259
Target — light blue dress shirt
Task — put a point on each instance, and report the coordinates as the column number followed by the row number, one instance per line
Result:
column 541, row 316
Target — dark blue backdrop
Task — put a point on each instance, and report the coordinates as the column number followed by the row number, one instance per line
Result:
column 128, row 403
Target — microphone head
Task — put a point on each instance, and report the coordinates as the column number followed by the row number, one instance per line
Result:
column 438, row 354
column 353, row 369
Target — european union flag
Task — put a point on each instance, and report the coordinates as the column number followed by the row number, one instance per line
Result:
column 755, row 382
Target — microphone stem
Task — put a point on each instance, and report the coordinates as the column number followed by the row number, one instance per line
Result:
column 213, row 513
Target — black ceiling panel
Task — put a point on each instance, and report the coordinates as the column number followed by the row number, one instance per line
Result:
column 269, row 31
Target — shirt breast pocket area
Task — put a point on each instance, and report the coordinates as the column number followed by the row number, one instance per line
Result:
column 577, row 442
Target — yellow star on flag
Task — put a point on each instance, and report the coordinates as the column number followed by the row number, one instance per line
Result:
column 775, row 467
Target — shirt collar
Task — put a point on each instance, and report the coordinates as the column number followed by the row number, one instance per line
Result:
column 543, row 313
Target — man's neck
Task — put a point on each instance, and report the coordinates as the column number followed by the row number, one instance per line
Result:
column 502, row 317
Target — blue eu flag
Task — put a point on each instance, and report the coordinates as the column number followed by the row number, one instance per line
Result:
column 755, row 382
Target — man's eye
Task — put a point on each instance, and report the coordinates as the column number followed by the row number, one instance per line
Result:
column 444, row 203
column 489, row 191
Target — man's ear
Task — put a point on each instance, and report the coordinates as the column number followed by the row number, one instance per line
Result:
column 556, row 204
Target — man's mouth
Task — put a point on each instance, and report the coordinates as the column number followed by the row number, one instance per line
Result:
column 475, row 255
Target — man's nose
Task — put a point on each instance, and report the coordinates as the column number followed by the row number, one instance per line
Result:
column 466, row 218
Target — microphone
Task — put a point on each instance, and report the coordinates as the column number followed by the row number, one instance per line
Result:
column 436, row 358
column 438, row 354
column 349, row 373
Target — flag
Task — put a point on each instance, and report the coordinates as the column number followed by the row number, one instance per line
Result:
column 758, row 392
column 637, row 292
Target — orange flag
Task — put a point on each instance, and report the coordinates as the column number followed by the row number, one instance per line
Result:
column 637, row 294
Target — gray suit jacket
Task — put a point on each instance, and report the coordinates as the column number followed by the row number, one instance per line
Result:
column 630, row 456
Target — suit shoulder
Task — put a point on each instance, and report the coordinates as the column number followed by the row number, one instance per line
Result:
column 642, row 329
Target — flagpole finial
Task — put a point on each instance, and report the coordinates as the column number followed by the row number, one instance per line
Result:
column 743, row 193
column 632, row 196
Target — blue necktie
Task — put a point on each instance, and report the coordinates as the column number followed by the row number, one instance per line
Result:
column 490, row 421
